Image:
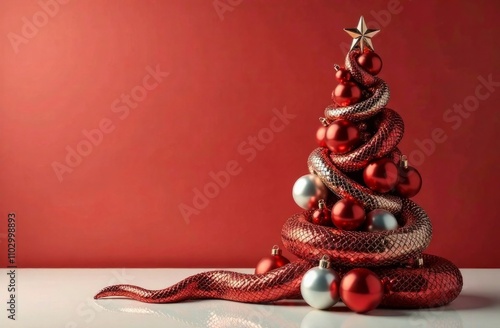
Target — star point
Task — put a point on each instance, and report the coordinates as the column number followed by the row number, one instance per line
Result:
column 361, row 36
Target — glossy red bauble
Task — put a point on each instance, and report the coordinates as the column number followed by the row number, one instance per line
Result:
column 370, row 61
column 271, row 262
column 321, row 216
column 346, row 94
column 381, row 175
column 341, row 136
column 321, row 136
column 409, row 182
column 342, row 75
column 347, row 214
column 361, row 290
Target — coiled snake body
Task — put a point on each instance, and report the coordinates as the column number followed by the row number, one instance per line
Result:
column 429, row 281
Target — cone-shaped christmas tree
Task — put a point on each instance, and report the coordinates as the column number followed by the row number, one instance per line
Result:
column 358, row 217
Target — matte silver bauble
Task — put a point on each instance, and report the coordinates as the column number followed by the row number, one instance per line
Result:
column 380, row 220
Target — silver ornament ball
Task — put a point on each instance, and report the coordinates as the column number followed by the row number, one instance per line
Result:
column 320, row 287
column 308, row 190
column 380, row 220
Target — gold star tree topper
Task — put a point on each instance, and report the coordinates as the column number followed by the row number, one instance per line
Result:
column 361, row 35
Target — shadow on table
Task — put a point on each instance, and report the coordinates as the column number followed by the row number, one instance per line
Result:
column 472, row 302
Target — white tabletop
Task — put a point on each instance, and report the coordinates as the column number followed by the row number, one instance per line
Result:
column 64, row 298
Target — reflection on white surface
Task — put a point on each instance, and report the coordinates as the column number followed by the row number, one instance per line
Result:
column 444, row 317
column 218, row 313
column 213, row 313
column 63, row 298
column 317, row 319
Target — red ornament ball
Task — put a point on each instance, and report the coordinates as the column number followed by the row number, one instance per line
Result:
column 409, row 182
column 347, row 215
column 361, row 290
column 341, row 136
column 271, row 262
column 321, row 216
column 321, row 136
column 371, row 62
column 346, row 94
column 381, row 175
column 342, row 75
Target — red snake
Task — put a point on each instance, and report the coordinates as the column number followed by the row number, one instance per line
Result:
column 411, row 279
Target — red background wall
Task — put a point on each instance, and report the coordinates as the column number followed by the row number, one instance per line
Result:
column 228, row 69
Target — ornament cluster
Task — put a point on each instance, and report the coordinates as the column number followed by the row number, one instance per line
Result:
column 310, row 193
column 360, row 289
